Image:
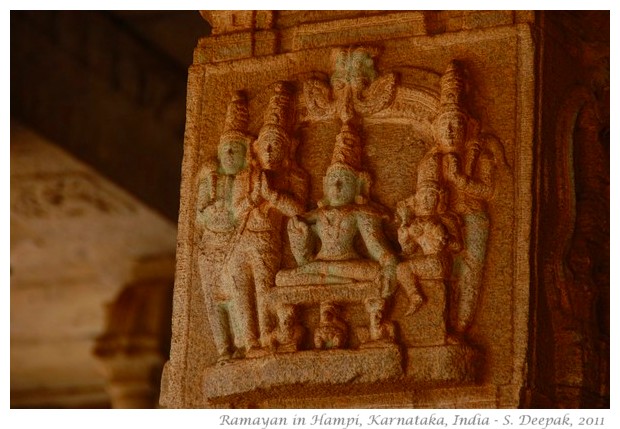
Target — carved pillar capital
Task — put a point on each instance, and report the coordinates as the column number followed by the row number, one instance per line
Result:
column 237, row 34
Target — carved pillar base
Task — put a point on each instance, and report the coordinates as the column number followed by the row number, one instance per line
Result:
column 450, row 363
column 133, row 379
column 332, row 367
column 375, row 369
column 130, row 350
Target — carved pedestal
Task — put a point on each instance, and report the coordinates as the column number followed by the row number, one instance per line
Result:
column 132, row 379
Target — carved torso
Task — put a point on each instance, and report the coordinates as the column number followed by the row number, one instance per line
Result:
column 337, row 228
column 218, row 216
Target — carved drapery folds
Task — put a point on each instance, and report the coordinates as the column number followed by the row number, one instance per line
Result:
column 365, row 278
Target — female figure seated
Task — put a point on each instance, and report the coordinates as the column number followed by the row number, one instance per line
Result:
column 426, row 238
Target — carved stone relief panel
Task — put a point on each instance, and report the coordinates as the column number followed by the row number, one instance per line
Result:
column 343, row 225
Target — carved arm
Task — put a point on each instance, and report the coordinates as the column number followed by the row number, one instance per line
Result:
column 302, row 240
column 288, row 203
column 207, row 184
column 455, row 240
column 372, row 233
column 479, row 188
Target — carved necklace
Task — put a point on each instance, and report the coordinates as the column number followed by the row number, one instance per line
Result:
column 333, row 218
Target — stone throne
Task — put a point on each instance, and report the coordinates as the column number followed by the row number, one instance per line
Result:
column 419, row 303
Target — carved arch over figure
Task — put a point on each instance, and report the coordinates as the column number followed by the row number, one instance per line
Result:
column 402, row 104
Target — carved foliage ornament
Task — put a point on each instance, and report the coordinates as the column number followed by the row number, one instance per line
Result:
column 355, row 88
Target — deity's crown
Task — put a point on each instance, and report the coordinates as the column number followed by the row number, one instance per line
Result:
column 237, row 118
column 278, row 113
column 452, row 93
column 348, row 148
column 429, row 184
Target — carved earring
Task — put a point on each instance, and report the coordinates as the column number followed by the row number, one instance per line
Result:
column 363, row 188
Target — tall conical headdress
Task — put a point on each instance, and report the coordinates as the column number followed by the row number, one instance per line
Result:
column 237, row 118
column 348, row 148
column 452, row 95
column 278, row 110
column 278, row 113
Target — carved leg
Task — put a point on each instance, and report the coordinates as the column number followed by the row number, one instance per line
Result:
column 468, row 270
column 221, row 330
column 410, row 283
column 265, row 260
column 217, row 312
column 243, row 308
column 378, row 329
column 465, row 296
column 264, row 276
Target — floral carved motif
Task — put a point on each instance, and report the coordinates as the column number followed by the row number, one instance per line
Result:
column 354, row 88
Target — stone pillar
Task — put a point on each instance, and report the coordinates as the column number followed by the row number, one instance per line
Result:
column 359, row 191
column 75, row 240
column 570, row 336
column 132, row 380
column 133, row 349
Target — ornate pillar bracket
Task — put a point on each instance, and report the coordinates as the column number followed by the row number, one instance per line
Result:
column 132, row 367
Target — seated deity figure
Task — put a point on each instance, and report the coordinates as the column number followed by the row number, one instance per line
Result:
column 289, row 334
column 428, row 233
column 343, row 215
column 332, row 332
column 216, row 221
